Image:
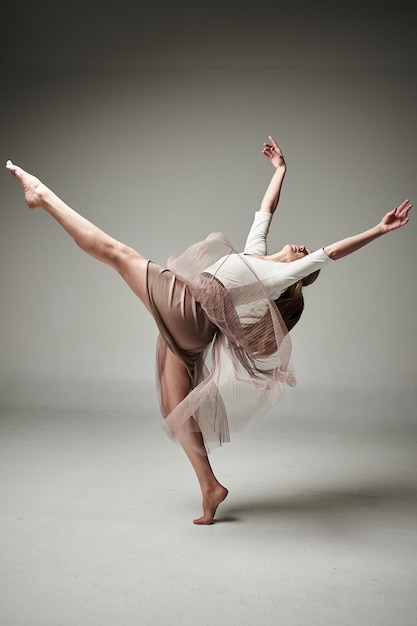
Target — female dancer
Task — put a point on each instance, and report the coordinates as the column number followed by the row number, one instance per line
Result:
column 224, row 349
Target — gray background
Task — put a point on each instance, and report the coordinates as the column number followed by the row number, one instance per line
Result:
column 150, row 122
column 149, row 119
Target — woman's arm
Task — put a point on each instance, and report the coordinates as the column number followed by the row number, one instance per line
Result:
column 270, row 200
column 391, row 221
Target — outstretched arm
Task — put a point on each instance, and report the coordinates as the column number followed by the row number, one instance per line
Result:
column 270, row 200
column 391, row 221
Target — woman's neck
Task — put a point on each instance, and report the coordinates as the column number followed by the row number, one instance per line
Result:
column 278, row 257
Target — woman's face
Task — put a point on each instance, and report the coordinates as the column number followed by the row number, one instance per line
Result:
column 293, row 252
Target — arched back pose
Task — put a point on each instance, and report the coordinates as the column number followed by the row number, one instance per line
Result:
column 224, row 350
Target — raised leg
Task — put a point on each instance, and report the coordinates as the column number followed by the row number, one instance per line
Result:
column 175, row 384
column 130, row 264
column 132, row 267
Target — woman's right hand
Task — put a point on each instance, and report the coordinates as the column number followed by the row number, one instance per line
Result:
column 273, row 152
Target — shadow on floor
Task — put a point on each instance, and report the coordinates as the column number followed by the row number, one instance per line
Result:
column 354, row 499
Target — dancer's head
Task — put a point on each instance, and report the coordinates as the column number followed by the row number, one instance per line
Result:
column 292, row 252
column 291, row 302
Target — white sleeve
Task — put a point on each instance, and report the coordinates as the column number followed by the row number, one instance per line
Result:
column 256, row 241
column 289, row 273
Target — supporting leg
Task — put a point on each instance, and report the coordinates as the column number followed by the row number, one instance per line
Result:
column 132, row 266
column 175, row 384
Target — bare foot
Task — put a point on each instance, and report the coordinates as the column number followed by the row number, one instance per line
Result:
column 211, row 500
column 32, row 186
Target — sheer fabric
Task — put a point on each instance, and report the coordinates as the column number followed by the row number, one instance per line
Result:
column 241, row 373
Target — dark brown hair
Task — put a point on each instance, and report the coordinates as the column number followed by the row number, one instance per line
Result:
column 291, row 302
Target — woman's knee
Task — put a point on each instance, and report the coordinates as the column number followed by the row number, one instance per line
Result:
column 120, row 256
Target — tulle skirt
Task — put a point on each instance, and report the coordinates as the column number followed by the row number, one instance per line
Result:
column 233, row 343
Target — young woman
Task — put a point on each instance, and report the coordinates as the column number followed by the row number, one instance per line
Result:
column 224, row 317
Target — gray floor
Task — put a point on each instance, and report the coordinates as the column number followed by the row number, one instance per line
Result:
column 319, row 527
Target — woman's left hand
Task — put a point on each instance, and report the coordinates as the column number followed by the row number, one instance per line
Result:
column 273, row 152
column 397, row 217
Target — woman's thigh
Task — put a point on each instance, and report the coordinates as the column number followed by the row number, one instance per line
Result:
column 175, row 381
column 132, row 267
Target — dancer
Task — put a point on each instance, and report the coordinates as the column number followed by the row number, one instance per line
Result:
column 224, row 317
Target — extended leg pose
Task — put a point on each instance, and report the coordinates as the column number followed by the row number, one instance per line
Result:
column 132, row 267
column 224, row 353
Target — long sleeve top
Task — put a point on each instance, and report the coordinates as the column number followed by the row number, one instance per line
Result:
column 275, row 276
column 241, row 374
